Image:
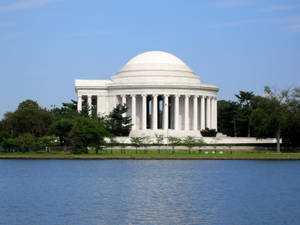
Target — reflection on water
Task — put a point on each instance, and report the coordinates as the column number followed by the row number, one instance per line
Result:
column 149, row 192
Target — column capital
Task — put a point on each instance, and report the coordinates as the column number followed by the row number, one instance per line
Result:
column 154, row 95
column 132, row 95
column 195, row 96
column 187, row 96
column 166, row 95
column 144, row 95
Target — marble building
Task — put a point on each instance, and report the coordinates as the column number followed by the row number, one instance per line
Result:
column 163, row 96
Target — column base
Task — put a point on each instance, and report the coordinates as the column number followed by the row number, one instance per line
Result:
column 169, row 132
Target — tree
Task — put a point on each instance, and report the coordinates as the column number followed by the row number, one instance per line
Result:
column 174, row 141
column 28, row 118
column 269, row 114
column 26, row 141
column 291, row 130
column 68, row 110
column 118, row 124
column 6, row 141
column 46, row 142
column 86, row 132
column 244, row 99
column 190, row 142
column 61, row 128
column 228, row 117
column 159, row 140
column 200, row 143
column 137, row 142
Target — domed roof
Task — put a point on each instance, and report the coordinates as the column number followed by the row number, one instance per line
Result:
column 155, row 60
column 153, row 66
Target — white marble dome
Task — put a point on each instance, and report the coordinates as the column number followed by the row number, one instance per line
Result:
column 155, row 67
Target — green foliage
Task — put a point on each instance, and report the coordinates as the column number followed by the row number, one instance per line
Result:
column 159, row 140
column 6, row 141
column 244, row 99
column 86, row 132
column 118, row 124
column 137, row 142
column 26, row 141
column 28, row 118
column 269, row 116
column 208, row 132
column 174, row 141
column 291, row 130
column 68, row 110
column 46, row 142
column 233, row 118
column 190, row 142
column 200, row 143
column 61, row 128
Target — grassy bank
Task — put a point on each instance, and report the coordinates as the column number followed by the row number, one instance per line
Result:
column 153, row 154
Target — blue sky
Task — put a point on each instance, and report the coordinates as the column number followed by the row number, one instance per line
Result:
column 235, row 44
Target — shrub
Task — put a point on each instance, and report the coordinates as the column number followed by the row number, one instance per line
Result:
column 208, row 132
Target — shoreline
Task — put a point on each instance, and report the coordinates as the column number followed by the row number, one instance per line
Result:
column 142, row 158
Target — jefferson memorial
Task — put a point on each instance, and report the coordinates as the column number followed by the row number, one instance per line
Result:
column 163, row 96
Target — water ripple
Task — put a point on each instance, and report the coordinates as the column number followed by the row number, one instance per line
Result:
column 149, row 192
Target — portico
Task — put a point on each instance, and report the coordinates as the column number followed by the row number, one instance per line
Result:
column 162, row 95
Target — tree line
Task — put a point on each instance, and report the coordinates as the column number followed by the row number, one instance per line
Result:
column 274, row 114
column 31, row 126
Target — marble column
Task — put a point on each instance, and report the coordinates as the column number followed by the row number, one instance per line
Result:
column 195, row 113
column 213, row 114
column 186, row 112
column 133, row 111
column 123, row 103
column 123, row 99
column 166, row 112
column 79, row 103
column 216, row 113
column 208, row 112
column 144, row 112
column 176, row 112
column 202, row 124
column 90, row 104
column 154, row 112
column 99, row 97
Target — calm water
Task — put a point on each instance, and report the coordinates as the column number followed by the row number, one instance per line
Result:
column 149, row 192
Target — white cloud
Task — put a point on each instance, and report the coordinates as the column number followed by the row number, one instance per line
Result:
column 25, row 4
column 281, row 8
column 230, row 3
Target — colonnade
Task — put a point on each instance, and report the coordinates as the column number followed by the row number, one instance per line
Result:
column 155, row 111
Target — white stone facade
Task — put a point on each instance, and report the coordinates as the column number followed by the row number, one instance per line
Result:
column 163, row 96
